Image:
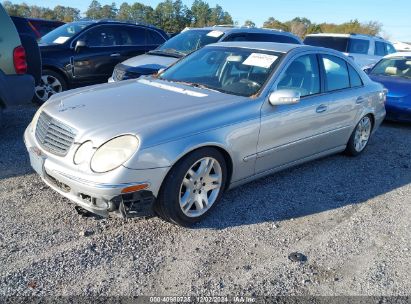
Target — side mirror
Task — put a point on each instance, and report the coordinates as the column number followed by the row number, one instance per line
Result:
column 80, row 44
column 284, row 97
column 367, row 70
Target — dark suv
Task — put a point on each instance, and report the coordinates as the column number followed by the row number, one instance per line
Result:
column 85, row 52
column 34, row 27
column 190, row 40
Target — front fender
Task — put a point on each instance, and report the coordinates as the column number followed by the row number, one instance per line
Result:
column 238, row 140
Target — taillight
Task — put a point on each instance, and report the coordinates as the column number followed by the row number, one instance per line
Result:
column 19, row 59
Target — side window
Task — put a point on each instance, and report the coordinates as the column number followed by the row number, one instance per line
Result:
column 390, row 49
column 100, row 36
column 359, row 46
column 154, row 38
column 302, row 75
column 132, row 35
column 355, row 78
column 336, row 73
column 379, row 49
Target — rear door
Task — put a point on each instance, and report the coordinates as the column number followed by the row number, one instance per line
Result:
column 344, row 88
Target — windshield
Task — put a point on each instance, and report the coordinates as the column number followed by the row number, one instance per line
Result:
column 336, row 43
column 63, row 33
column 189, row 41
column 237, row 71
column 396, row 67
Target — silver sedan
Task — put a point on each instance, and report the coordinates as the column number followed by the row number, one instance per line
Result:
column 221, row 117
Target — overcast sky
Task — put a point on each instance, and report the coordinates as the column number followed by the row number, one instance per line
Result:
column 394, row 15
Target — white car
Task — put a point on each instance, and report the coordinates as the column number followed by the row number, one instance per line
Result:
column 365, row 50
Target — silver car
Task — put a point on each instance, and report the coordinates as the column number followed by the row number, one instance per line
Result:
column 225, row 115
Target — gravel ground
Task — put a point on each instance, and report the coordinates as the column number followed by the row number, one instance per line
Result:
column 350, row 217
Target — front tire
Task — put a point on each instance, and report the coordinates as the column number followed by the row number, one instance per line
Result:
column 193, row 187
column 360, row 137
column 51, row 83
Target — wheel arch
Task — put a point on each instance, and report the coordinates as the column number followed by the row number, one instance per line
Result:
column 59, row 71
column 227, row 157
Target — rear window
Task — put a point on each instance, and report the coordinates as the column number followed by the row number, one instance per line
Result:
column 336, row 43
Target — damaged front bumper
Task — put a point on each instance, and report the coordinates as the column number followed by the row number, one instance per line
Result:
column 92, row 192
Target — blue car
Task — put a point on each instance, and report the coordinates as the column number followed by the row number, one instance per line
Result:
column 394, row 73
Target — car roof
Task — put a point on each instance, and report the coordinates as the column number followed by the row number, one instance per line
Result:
column 399, row 54
column 264, row 46
column 351, row 35
column 239, row 29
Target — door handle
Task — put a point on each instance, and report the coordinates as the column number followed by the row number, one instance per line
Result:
column 321, row 108
column 360, row 99
column 115, row 55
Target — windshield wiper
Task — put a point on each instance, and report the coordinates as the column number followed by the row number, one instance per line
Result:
column 168, row 53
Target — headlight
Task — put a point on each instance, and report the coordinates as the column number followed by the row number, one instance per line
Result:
column 114, row 153
column 83, row 153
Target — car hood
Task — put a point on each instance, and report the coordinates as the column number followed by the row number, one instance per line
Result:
column 145, row 106
column 396, row 86
column 150, row 61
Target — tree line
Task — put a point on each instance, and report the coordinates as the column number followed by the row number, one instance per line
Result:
column 173, row 16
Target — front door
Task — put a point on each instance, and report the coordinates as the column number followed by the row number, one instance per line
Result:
column 293, row 132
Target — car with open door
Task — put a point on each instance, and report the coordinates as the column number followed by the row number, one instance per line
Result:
column 86, row 52
column 222, row 116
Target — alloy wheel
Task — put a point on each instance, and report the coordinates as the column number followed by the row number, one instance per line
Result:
column 200, row 187
column 49, row 85
column 362, row 133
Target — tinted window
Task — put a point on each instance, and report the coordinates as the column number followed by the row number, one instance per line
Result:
column 271, row 38
column 154, row 37
column 130, row 35
column 336, row 43
column 302, row 75
column 336, row 73
column 390, row 49
column 379, row 48
column 359, row 46
column 355, row 78
column 101, row 36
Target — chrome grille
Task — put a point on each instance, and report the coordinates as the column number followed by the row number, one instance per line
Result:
column 53, row 135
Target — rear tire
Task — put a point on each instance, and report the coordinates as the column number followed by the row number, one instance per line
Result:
column 360, row 137
column 193, row 187
column 51, row 83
